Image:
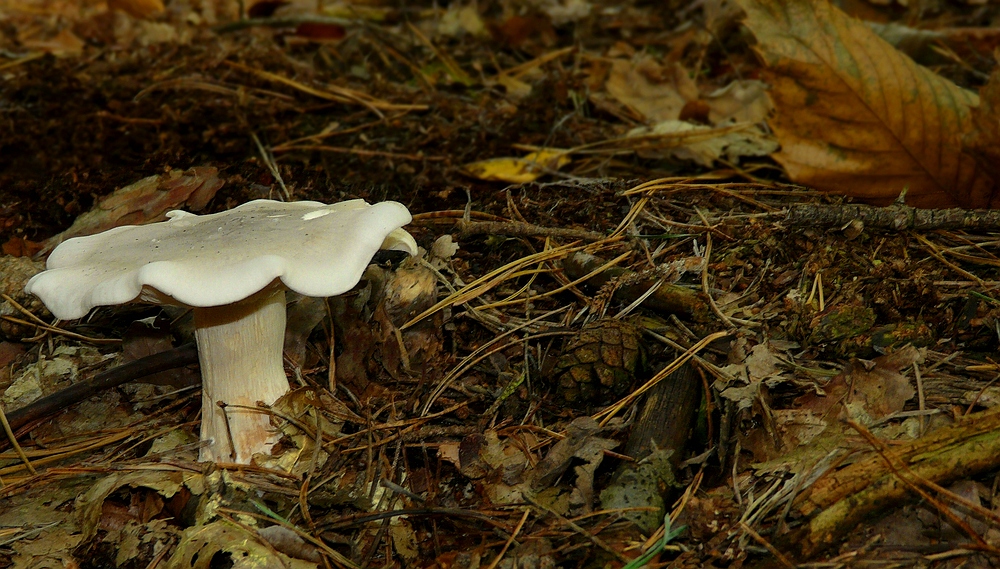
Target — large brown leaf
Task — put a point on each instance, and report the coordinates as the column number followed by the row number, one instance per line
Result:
column 857, row 117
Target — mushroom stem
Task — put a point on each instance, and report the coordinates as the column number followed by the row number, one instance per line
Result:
column 240, row 350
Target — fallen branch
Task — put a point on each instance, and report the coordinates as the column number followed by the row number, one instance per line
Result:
column 142, row 367
column 897, row 217
column 839, row 501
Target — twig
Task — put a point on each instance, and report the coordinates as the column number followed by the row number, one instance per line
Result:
column 36, row 321
column 272, row 167
column 593, row 538
column 518, row 229
column 605, row 415
column 177, row 357
column 363, row 152
column 510, row 540
column 767, row 545
column 933, row 250
column 13, row 442
column 896, row 217
column 915, row 487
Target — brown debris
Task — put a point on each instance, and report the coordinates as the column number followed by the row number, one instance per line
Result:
column 567, row 163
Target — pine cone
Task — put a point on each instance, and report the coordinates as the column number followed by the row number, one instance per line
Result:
column 599, row 364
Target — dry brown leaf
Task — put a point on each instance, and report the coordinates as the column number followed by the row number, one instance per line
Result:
column 857, row 117
column 740, row 101
column 145, row 201
column 866, row 391
column 701, row 144
column 656, row 92
column 200, row 544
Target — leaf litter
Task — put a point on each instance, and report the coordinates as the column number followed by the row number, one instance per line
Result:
column 844, row 355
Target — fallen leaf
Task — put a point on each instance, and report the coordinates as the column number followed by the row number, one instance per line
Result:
column 90, row 507
column 579, row 436
column 21, row 247
column 290, row 543
column 265, row 8
column 857, row 117
column 514, row 87
column 36, row 526
column 518, row 170
column 318, row 31
column 924, row 45
column 9, row 351
column 563, row 12
column 702, row 144
column 49, row 374
column 740, row 101
column 657, row 93
column 303, row 315
column 528, row 32
column 404, row 540
column 145, row 201
column 240, row 548
column 866, row 392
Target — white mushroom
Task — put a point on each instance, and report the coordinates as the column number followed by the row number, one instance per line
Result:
column 232, row 269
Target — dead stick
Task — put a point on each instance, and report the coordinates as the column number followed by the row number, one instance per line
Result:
column 170, row 359
column 896, row 217
column 836, row 503
column 519, row 229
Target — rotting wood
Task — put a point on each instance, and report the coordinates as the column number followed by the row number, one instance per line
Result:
column 657, row 441
column 665, row 416
column 839, row 501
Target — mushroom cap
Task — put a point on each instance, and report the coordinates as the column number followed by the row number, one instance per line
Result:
column 314, row 249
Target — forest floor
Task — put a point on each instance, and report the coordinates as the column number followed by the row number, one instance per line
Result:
column 636, row 332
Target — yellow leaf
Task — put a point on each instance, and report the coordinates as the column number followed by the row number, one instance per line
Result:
column 857, row 117
column 518, row 170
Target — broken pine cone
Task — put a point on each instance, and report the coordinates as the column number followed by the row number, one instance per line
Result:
column 600, row 363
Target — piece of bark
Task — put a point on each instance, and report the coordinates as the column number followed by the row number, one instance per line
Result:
column 666, row 415
column 661, row 431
